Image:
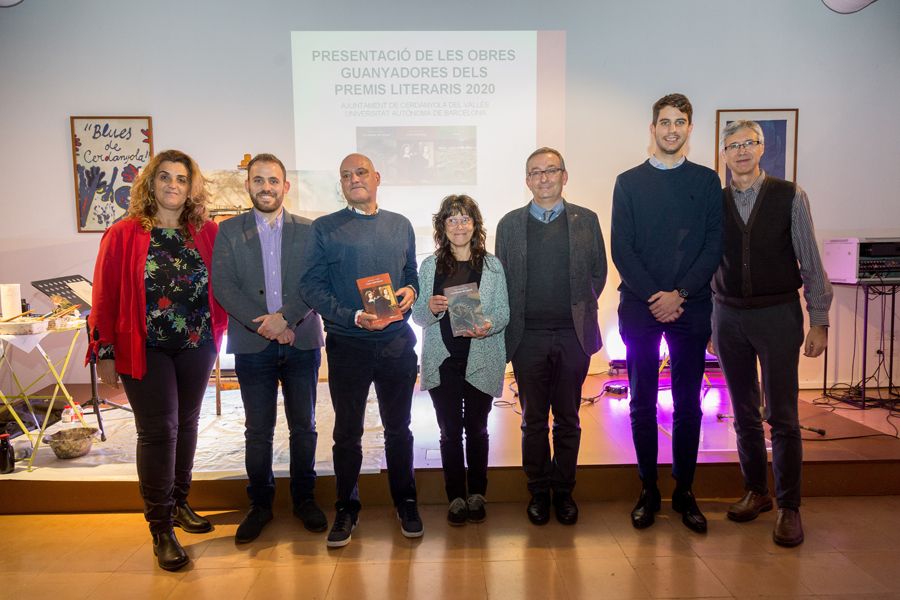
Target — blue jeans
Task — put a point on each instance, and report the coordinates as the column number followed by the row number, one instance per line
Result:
column 259, row 375
column 686, row 337
column 354, row 364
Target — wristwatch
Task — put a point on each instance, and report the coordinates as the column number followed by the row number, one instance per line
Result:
column 683, row 293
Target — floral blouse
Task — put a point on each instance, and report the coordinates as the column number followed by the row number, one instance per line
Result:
column 176, row 283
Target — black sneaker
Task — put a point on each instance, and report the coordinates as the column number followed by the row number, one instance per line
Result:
column 312, row 516
column 410, row 521
column 252, row 525
column 344, row 524
column 458, row 512
column 475, row 505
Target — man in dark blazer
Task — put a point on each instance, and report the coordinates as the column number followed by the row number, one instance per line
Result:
column 553, row 329
column 275, row 337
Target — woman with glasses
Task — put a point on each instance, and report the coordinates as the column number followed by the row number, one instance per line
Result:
column 463, row 373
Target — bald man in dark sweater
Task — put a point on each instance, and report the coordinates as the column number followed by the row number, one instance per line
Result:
column 359, row 241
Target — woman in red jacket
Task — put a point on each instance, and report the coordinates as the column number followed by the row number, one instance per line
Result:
column 155, row 323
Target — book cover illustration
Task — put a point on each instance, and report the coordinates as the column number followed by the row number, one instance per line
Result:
column 378, row 298
column 464, row 308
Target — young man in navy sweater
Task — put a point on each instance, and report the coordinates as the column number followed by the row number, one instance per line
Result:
column 666, row 244
column 358, row 241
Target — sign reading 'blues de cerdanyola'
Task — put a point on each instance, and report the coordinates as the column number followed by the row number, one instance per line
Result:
column 107, row 153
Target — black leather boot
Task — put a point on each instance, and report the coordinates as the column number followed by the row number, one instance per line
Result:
column 683, row 502
column 648, row 504
column 169, row 553
column 184, row 516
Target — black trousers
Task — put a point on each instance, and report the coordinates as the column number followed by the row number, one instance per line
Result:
column 166, row 404
column 774, row 336
column 686, row 338
column 550, row 366
column 353, row 366
column 461, row 407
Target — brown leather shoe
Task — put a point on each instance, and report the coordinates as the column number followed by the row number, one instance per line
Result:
column 788, row 528
column 749, row 507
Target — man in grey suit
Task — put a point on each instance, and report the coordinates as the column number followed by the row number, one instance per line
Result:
column 275, row 337
column 553, row 329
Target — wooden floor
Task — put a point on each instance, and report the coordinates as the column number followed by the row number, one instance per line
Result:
column 850, row 552
column 850, row 549
column 859, row 455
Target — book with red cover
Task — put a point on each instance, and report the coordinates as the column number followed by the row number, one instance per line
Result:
column 378, row 298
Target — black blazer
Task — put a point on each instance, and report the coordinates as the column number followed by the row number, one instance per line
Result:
column 240, row 287
column 587, row 272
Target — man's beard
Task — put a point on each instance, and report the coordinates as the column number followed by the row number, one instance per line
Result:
column 266, row 208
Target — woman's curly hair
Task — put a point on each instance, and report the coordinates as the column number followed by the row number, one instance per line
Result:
column 142, row 205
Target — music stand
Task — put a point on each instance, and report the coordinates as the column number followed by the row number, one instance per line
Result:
column 59, row 286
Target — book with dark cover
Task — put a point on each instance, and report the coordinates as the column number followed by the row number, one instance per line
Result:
column 464, row 308
column 378, row 298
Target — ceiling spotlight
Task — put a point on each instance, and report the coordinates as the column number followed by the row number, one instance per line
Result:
column 845, row 7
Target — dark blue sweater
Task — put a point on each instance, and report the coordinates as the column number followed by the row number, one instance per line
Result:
column 346, row 246
column 667, row 230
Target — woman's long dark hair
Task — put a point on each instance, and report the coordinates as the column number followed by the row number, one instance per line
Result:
column 464, row 206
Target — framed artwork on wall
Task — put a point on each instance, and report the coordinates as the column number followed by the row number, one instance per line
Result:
column 779, row 127
column 107, row 153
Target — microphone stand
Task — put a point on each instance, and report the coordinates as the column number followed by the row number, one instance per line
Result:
column 95, row 391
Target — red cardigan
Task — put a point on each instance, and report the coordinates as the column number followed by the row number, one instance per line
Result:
column 119, row 303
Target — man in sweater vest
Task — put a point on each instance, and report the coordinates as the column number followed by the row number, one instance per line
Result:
column 769, row 253
column 555, row 264
column 359, row 241
column 666, row 244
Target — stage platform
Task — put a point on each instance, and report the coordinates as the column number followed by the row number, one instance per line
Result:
column 859, row 455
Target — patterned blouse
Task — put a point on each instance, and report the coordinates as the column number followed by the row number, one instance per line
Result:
column 176, row 283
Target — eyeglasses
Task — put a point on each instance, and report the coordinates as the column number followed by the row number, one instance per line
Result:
column 736, row 146
column 550, row 173
column 458, row 221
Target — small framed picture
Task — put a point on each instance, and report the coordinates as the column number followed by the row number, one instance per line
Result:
column 107, row 153
column 779, row 127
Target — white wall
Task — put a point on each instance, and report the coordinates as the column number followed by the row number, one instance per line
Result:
column 216, row 78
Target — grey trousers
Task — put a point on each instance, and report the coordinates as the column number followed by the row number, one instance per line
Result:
column 774, row 336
